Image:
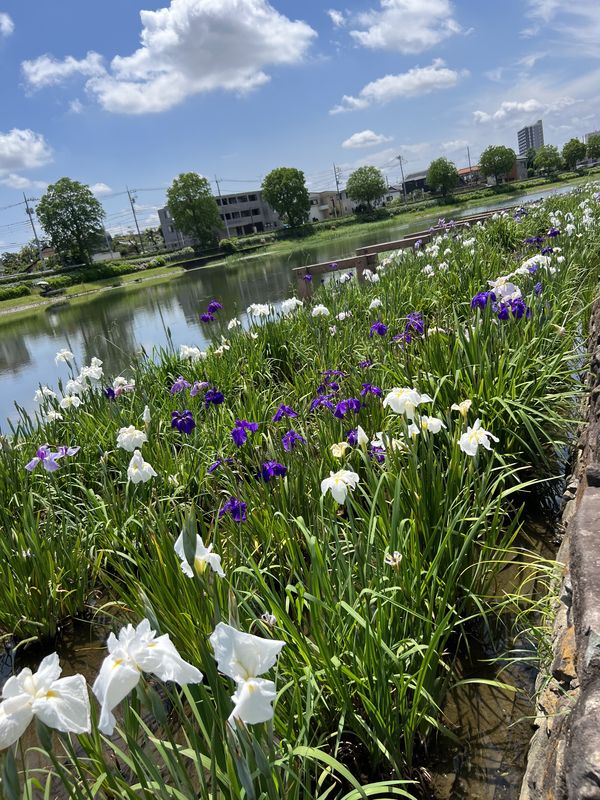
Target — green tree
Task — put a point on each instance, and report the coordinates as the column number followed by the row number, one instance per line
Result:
column 72, row 218
column 442, row 176
column 194, row 209
column 593, row 147
column 497, row 160
column 366, row 185
column 547, row 159
column 285, row 190
column 572, row 152
column 530, row 156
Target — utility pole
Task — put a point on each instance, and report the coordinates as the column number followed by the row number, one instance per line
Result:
column 401, row 160
column 132, row 202
column 469, row 157
column 224, row 213
column 337, row 174
column 30, row 215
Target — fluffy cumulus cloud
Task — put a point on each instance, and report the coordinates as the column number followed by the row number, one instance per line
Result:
column 49, row 71
column 417, row 81
column 100, row 188
column 406, row 26
column 365, row 139
column 15, row 181
column 338, row 18
column 189, row 47
column 516, row 110
column 7, row 26
column 22, row 149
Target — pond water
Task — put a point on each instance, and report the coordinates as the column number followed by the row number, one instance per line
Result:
column 115, row 324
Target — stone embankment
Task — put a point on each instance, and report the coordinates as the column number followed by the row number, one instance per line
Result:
column 564, row 756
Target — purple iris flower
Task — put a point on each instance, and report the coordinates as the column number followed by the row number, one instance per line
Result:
column 502, row 311
column 415, row 322
column 199, row 386
column 284, row 411
column 183, row 421
column 333, row 265
column 179, row 385
column 213, row 396
column 553, row 232
column 352, row 437
column 236, row 508
column 207, row 317
column 403, row 338
column 518, row 308
column 368, row 388
column 334, row 373
column 538, row 288
column 325, row 388
column 533, row 268
column 378, row 453
column 545, row 251
column 365, row 364
column 272, row 469
column 481, row 299
column 418, row 244
column 290, row 439
column 109, row 393
column 378, row 328
column 46, row 458
column 216, row 464
column 239, row 434
column 307, row 278
column 213, row 306
column 63, row 450
column 537, row 240
column 322, row 400
column 345, row 406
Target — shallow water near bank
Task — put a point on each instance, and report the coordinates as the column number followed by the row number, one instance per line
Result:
column 116, row 324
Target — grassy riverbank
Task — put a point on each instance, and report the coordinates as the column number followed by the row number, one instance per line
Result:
column 361, row 466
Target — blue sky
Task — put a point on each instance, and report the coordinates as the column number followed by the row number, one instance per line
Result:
column 132, row 92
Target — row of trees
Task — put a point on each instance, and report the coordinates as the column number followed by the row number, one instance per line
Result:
column 72, row 217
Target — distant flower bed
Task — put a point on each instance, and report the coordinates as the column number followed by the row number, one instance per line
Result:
column 296, row 526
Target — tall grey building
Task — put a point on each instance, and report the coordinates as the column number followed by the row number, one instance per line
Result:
column 531, row 136
column 242, row 214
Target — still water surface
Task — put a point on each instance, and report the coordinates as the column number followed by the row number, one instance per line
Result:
column 115, row 324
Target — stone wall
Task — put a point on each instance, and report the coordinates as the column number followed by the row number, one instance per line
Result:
column 564, row 756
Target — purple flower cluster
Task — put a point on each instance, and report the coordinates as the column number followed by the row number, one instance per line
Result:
column 180, row 385
column 183, row 421
column 290, row 439
column 213, row 396
column 515, row 306
column 212, row 308
column 216, row 464
column 48, row 458
column 272, row 469
column 284, row 411
column 378, row 328
column 236, row 508
column 369, row 388
column 481, row 299
column 239, row 434
column 415, row 325
column 346, row 406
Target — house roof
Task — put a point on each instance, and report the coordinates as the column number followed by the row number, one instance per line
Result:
column 468, row 170
column 416, row 176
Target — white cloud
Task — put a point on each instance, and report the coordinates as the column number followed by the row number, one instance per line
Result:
column 365, row 139
column 23, row 149
column 100, row 189
column 15, row 181
column 187, row 48
column 417, row 81
column 406, row 26
column 49, row 71
column 7, row 26
column 530, row 60
column 337, row 17
column 515, row 110
column 76, row 106
column 573, row 27
column 455, row 144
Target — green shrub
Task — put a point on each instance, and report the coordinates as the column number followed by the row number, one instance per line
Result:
column 10, row 292
column 229, row 246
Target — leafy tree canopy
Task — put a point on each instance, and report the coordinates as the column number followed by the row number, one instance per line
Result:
column 194, row 209
column 572, row 152
column 547, row 159
column 442, row 176
column 365, row 185
column 285, row 190
column 497, row 160
column 593, row 147
column 72, row 219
